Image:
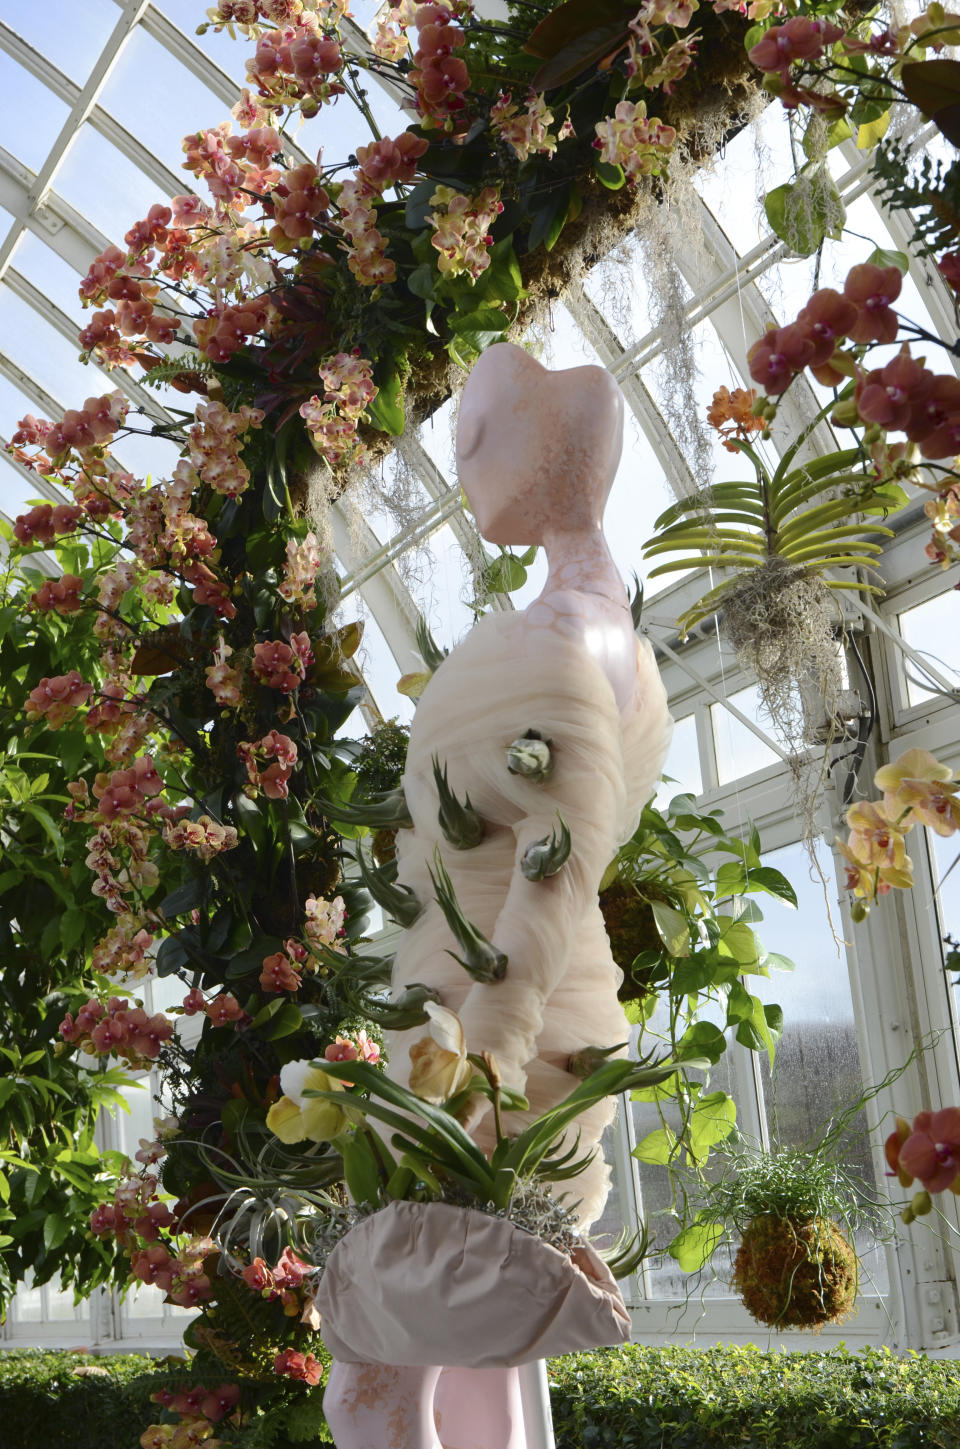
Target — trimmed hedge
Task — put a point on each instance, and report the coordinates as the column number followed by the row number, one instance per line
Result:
column 684, row 1398
column 635, row 1398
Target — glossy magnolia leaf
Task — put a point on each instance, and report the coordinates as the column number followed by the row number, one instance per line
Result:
column 696, row 1245
column 933, row 86
column 570, row 21
column 658, row 1147
column 588, row 49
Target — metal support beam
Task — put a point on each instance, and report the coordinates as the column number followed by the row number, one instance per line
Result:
column 82, row 107
column 67, row 90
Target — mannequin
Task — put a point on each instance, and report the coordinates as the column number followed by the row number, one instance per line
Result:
column 537, row 453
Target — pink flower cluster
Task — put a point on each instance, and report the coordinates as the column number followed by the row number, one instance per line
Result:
column 906, row 397
column 302, row 1366
column 45, row 522
column 526, row 132
column 205, row 837
column 280, row 1282
column 279, row 971
column 210, row 1404
column 57, row 700
column 929, row 1149
column 224, row 682
column 59, row 596
column 799, row 39
column 332, row 423
column 441, row 78
column 390, row 42
column 387, row 161
column 295, row 203
column 628, row 138
column 227, row 327
column 221, row 1011
column 117, row 1029
column 282, row 666
column 353, row 1049
column 215, row 443
column 135, row 1212
column 233, row 165
column 863, row 313
column 118, row 855
column 273, row 780
column 301, row 567
column 125, row 792
column 463, row 223
column 181, row 1277
column 366, row 252
column 292, row 66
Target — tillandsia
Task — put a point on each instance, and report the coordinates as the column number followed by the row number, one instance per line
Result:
column 430, row 1156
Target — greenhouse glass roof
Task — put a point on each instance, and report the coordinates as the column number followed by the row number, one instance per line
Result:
column 96, row 112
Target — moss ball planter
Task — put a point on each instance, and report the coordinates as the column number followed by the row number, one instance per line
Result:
column 795, row 1274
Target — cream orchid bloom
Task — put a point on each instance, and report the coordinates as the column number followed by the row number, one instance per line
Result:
column 298, row 1118
column 440, row 1067
column 919, row 784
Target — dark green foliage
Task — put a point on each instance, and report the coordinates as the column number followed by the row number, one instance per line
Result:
column 54, row 1406
column 683, row 1398
column 634, row 1398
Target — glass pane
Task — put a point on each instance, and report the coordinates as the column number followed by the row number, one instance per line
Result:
column 683, row 764
column 28, row 1303
column 60, row 1307
column 121, row 193
column 159, row 101
column 381, row 672
column 943, row 856
column 739, row 751
column 816, row 1074
column 931, row 629
column 57, row 30
column 25, row 96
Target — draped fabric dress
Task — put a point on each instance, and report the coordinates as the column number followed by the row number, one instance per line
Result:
column 559, row 993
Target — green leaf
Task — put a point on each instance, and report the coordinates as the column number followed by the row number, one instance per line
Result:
column 805, row 211
column 657, row 1147
column 882, row 257
column 386, row 410
column 872, row 132
column 422, row 281
column 765, row 878
column 672, row 927
column 72, row 926
column 611, row 177
column 731, row 878
column 712, row 1120
column 702, row 1039
column 55, row 1230
column 738, row 942
column 696, row 1244
column 47, row 824
column 285, row 1022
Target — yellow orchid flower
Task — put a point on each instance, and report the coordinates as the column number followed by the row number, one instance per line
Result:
column 298, row 1118
column 440, row 1067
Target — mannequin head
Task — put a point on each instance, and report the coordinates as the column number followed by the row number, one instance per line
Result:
column 537, row 451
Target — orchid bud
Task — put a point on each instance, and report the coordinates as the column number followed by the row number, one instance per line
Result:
column 530, row 756
column 920, row 1204
column 586, row 1061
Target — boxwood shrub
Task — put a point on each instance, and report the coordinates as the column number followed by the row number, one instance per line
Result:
column 635, row 1398
column 684, row 1398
